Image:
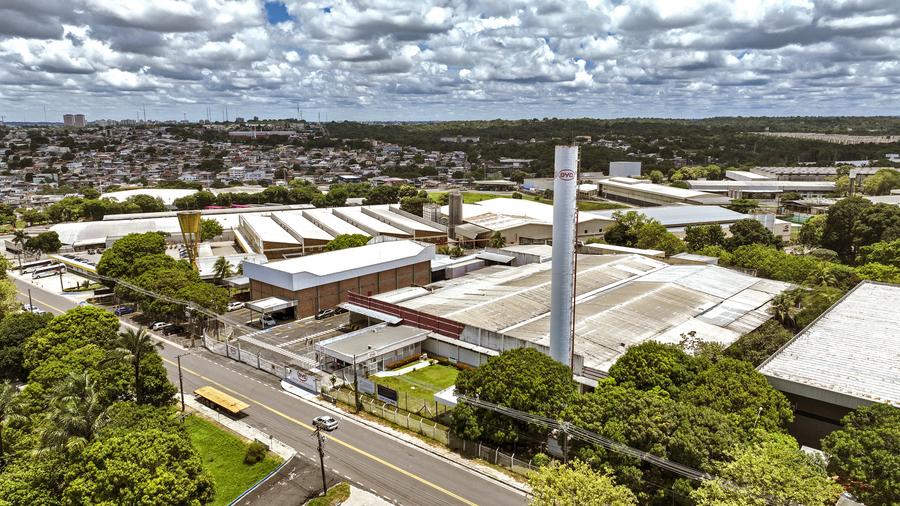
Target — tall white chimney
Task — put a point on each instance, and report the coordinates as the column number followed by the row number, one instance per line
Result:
column 562, row 284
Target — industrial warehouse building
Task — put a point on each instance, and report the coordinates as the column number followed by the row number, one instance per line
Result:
column 622, row 300
column 847, row 358
column 322, row 281
column 518, row 221
column 766, row 189
column 644, row 193
column 677, row 218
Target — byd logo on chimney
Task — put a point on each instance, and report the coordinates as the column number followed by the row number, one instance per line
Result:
column 566, row 174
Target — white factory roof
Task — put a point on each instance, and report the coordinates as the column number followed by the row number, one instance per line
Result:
column 314, row 270
column 643, row 185
column 300, row 226
column 354, row 215
column 622, row 300
column 268, row 229
column 399, row 220
column 745, row 175
column 530, row 209
column 671, row 216
column 167, row 195
column 332, row 223
column 762, row 185
column 850, row 355
column 885, row 199
column 99, row 231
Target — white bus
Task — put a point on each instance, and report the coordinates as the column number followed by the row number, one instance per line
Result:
column 29, row 267
column 50, row 270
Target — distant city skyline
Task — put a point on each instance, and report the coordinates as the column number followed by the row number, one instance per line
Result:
column 447, row 60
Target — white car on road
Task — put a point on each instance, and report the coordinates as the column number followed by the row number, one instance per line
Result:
column 325, row 422
column 33, row 309
column 235, row 305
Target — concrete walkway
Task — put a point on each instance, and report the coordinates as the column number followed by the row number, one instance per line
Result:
column 359, row 497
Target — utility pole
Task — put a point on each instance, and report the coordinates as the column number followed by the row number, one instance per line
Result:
column 355, row 386
column 61, row 287
column 181, row 383
column 30, row 304
column 321, row 438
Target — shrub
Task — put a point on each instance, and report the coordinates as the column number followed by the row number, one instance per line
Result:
column 256, row 452
column 540, row 460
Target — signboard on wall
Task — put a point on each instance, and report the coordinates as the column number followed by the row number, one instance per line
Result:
column 366, row 386
column 303, row 379
column 388, row 395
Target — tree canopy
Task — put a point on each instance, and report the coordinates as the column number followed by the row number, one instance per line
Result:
column 576, row 484
column 865, row 453
column 523, row 379
column 345, row 241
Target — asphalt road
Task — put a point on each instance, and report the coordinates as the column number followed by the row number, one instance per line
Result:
column 367, row 457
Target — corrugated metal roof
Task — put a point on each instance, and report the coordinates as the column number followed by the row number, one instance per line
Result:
column 853, row 349
column 671, row 216
column 268, row 229
column 622, row 300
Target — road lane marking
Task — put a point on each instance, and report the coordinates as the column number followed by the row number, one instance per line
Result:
column 332, row 438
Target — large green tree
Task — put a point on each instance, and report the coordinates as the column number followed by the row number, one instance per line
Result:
column 735, row 388
column 118, row 261
column 210, row 228
column 345, row 241
column 140, row 467
column 750, row 231
column 135, row 345
column 865, row 453
column 811, row 232
column 698, row 237
column 652, row 365
column 523, row 379
column 14, row 329
column 770, row 470
column 576, row 484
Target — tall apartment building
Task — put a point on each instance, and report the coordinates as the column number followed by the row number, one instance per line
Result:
column 73, row 120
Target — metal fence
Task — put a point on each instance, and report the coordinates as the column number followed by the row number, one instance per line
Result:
column 492, row 455
column 430, row 409
column 395, row 415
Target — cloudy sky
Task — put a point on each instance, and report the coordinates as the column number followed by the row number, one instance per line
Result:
column 452, row 59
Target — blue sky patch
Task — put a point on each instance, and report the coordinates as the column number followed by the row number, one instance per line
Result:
column 276, row 12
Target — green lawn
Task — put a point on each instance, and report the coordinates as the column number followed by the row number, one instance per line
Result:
column 468, row 197
column 223, row 455
column 423, row 383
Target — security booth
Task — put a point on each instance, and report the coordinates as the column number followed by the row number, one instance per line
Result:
column 276, row 307
column 372, row 349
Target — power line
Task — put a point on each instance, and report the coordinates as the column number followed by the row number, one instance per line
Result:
column 587, row 436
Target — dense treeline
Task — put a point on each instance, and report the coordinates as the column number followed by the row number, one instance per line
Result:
column 94, row 423
column 727, row 141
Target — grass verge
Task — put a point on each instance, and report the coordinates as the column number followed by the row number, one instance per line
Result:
column 223, row 456
column 335, row 495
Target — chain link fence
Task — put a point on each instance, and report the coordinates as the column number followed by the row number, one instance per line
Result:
column 481, row 451
column 395, row 415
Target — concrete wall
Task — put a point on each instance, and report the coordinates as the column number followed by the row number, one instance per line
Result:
column 311, row 300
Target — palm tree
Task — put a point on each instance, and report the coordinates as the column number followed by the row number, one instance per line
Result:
column 75, row 415
column 221, row 269
column 9, row 412
column 785, row 307
column 135, row 345
column 497, row 240
column 19, row 238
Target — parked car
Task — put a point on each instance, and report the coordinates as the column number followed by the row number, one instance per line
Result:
column 159, row 325
column 348, row 327
column 267, row 321
column 235, row 305
column 33, row 309
column 123, row 310
column 172, row 329
column 325, row 422
column 339, row 310
column 325, row 313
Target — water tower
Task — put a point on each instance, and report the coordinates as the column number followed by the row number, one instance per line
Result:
column 189, row 222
